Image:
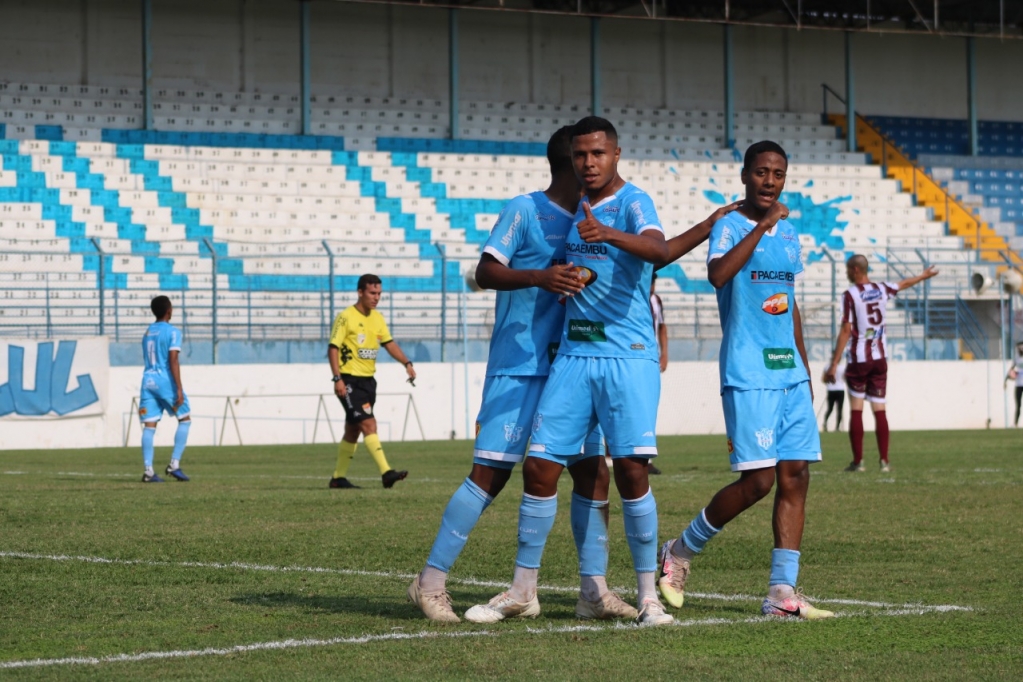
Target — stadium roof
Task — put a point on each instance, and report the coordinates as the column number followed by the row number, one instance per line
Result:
column 980, row 18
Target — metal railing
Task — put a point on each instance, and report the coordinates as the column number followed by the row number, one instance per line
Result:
column 45, row 295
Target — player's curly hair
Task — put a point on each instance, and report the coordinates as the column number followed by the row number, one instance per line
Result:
column 160, row 305
column 758, row 148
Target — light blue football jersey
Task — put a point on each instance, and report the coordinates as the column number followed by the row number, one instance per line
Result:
column 758, row 347
column 160, row 339
column 529, row 235
column 611, row 316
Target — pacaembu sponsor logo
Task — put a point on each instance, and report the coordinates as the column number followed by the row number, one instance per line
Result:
column 772, row 276
column 588, row 249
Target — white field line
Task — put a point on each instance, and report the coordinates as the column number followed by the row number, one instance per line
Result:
column 472, row 582
column 400, row 636
column 92, row 474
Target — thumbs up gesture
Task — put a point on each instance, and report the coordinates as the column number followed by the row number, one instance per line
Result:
column 592, row 230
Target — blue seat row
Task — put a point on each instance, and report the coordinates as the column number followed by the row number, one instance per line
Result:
column 415, row 145
column 245, row 140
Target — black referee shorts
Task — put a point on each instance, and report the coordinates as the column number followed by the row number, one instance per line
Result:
column 361, row 397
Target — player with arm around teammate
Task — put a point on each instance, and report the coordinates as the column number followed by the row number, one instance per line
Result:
column 864, row 318
column 606, row 373
column 753, row 262
column 162, row 390
column 524, row 260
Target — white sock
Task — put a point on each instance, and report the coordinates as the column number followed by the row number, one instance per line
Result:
column 592, row 586
column 680, row 550
column 149, row 471
column 175, row 463
column 523, row 587
column 779, row 592
column 647, row 586
column 433, row 580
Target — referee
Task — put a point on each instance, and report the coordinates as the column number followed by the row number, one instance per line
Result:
column 355, row 339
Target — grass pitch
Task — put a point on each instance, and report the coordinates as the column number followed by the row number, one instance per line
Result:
column 255, row 570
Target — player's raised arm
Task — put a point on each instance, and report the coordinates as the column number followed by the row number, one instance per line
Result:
column 696, row 235
column 557, row 279
column 720, row 271
column 913, row 281
column 648, row 245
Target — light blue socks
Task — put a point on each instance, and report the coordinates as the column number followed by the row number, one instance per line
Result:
column 147, row 447
column 590, row 532
column 698, row 533
column 641, row 531
column 784, row 567
column 460, row 517
column 536, row 518
column 180, row 440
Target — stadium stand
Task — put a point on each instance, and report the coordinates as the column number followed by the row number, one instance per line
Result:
column 990, row 185
column 88, row 201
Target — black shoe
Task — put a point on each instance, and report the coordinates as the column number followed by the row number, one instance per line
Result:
column 653, row 471
column 342, row 483
column 391, row 477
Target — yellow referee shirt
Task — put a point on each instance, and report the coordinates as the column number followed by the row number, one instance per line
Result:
column 358, row 339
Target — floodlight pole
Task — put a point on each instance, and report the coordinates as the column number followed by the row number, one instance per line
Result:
column 971, row 94
column 101, row 272
column 729, row 129
column 330, row 281
column 306, row 94
column 850, row 97
column 595, row 106
column 147, row 65
column 453, row 73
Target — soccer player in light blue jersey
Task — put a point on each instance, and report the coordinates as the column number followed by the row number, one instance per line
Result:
column 524, row 260
column 754, row 261
column 606, row 373
column 162, row 391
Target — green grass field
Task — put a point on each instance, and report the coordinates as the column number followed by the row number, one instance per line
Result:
column 178, row 579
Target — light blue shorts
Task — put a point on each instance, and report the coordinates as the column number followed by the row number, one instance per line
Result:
column 502, row 427
column 767, row 426
column 620, row 395
column 157, row 396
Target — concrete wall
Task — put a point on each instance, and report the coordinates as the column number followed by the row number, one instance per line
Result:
column 279, row 403
column 252, row 45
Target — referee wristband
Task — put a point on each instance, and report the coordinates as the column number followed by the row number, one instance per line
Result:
column 336, row 378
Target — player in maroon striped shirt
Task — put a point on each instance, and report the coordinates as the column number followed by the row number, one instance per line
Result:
column 864, row 314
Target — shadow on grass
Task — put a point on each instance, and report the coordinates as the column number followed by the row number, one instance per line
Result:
column 396, row 606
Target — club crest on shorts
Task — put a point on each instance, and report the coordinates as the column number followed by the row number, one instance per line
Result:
column 367, row 408
column 537, row 421
column 765, row 438
column 512, row 432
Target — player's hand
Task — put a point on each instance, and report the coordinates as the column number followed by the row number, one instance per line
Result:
column 778, row 211
column 411, row 371
column 929, row 272
column 829, row 375
column 592, row 230
column 664, row 363
column 179, row 401
column 723, row 211
column 561, row 279
column 340, row 390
